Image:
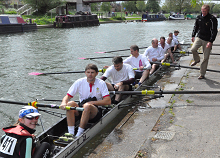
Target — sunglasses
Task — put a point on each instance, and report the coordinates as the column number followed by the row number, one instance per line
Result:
column 31, row 118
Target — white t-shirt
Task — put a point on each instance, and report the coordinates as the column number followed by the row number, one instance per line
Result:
column 124, row 74
column 98, row 89
column 157, row 53
column 165, row 47
column 172, row 44
column 175, row 39
column 141, row 60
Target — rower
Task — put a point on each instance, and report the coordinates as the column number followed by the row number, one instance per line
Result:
column 175, row 38
column 122, row 76
column 138, row 61
column 154, row 53
column 93, row 92
column 170, row 41
column 166, row 49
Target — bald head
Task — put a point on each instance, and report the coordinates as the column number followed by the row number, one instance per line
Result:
column 154, row 43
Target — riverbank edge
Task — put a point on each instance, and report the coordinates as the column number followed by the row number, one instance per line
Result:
column 102, row 22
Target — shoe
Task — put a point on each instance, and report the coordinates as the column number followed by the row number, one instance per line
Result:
column 201, row 77
column 194, row 63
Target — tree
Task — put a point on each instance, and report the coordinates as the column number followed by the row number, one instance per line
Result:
column 106, row 6
column 153, row 5
column 43, row 6
column 216, row 8
column 141, row 6
column 130, row 6
column 95, row 6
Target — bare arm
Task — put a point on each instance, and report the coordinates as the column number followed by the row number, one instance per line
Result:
column 65, row 100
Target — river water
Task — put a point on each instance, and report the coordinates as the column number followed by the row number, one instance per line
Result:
column 58, row 50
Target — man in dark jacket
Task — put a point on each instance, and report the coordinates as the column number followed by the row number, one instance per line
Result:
column 206, row 29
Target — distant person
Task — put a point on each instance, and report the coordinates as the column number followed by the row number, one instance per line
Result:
column 19, row 140
column 122, row 76
column 139, row 61
column 206, row 28
column 93, row 92
column 154, row 53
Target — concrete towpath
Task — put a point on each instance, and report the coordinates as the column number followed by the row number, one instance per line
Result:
column 189, row 129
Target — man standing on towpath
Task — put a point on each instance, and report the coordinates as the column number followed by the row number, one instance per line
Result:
column 206, row 29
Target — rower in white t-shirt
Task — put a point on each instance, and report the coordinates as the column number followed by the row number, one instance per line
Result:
column 122, row 76
column 139, row 61
column 166, row 49
column 154, row 53
column 87, row 87
column 175, row 38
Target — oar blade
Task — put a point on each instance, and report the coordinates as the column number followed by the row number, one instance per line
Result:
column 83, row 58
column 35, row 73
column 100, row 52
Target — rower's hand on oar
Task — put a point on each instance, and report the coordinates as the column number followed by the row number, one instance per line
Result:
column 141, row 67
column 63, row 106
column 105, row 67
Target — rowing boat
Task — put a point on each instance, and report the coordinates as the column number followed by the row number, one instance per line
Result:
column 61, row 149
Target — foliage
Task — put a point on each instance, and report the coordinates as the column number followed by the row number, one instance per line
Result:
column 119, row 18
column 130, row 6
column 141, row 6
column 216, row 8
column 10, row 11
column 40, row 20
column 95, row 6
column 153, row 6
column 106, row 6
column 181, row 6
column 43, row 6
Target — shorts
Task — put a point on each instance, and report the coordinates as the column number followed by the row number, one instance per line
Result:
column 96, row 118
column 138, row 74
column 129, row 89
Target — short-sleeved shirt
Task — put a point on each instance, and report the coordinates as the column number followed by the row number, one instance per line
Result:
column 175, row 39
column 165, row 47
column 85, row 89
column 172, row 44
column 141, row 60
column 157, row 53
column 124, row 74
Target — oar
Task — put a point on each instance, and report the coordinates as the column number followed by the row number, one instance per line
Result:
column 68, row 72
column 102, row 57
column 37, row 73
column 36, row 104
column 43, row 99
column 151, row 92
column 189, row 67
column 119, row 50
column 192, row 44
column 183, row 52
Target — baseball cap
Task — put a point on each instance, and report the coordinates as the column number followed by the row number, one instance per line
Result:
column 28, row 111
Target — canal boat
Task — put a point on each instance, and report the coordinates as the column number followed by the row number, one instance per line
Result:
column 15, row 24
column 174, row 16
column 67, row 149
column 152, row 17
column 78, row 20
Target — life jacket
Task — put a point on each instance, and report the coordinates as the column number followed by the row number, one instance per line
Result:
column 11, row 142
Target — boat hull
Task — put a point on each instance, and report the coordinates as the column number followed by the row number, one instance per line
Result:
column 16, row 28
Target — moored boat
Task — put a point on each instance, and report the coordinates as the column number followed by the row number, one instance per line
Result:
column 78, row 20
column 61, row 149
column 174, row 16
column 152, row 17
column 15, row 24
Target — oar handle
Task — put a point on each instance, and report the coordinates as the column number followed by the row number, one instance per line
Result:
column 36, row 104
